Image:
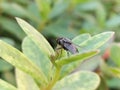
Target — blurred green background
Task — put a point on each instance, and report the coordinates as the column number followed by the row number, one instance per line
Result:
column 65, row 18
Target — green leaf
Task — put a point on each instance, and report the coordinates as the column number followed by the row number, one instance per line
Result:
column 115, row 54
column 13, row 9
column 61, row 31
column 74, row 61
column 76, row 57
column 33, row 11
column 79, row 1
column 44, row 7
column 91, row 44
column 96, row 41
column 81, row 80
column 101, row 15
column 56, row 10
column 5, row 66
column 17, row 10
column 25, row 81
column 6, row 86
column 81, row 38
column 23, row 2
column 36, row 37
column 114, row 83
column 31, row 50
column 88, row 6
column 10, row 26
column 8, row 40
column 19, row 60
column 113, row 21
column 91, row 64
column 110, row 70
column 114, row 71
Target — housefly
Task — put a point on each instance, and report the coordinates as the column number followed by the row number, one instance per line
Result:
column 67, row 45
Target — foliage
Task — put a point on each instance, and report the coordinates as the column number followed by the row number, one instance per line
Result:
column 68, row 17
column 74, row 19
column 39, row 66
column 111, row 68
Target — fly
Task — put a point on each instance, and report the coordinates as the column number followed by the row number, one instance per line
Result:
column 67, row 45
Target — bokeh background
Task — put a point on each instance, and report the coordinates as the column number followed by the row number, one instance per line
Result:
column 65, row 18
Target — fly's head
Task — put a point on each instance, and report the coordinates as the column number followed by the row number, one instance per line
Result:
column 60, row 41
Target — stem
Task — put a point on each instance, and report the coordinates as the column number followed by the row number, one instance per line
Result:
column 54, row 80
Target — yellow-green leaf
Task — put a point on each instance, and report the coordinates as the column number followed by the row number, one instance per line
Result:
column 82, row 80
column 36, row 37
column 19, row 60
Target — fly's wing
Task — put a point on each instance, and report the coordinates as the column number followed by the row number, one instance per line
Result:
column 70, row 47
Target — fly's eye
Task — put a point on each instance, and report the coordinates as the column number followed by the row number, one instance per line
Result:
column 59, row 40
